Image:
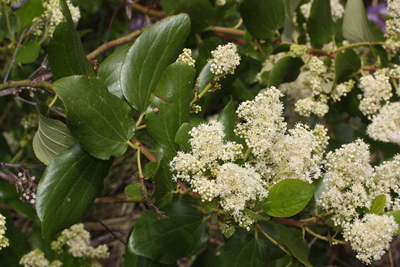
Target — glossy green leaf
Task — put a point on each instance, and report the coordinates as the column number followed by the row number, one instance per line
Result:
column 28, row 52
column 165, row 240
column 288, row 197
column 65, row 50
column 378, row 204
column 182, row 136
column 204, row 51
column 110, row 71
column 347, row 64
column 263, row 17
column 68, row 188
column 243, row 249
column 229, row 119
column 297, row 245
column 170, row 106
column 201, row 13
column 355, row 24
column 285, row 70
column 396, row 216
column 290, row 31
column 52, row 138
column 164, row 184
column 132, row 260
column 320, row 25
column 149, row 56
column 30, row 10
column 134, row 190
column 99, row 121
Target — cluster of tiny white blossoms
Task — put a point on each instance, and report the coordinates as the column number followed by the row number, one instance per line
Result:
column 370, row 236
column 337, row 10
column 52, row 16
column 77, row 242
column 36, row 258
column 3, row 240
column 310, row 105
column 220, row 2
column 186, row 57
column 375, row 90
column 297, row 50
column 342, row 90
column 385, row 126
column 225, row 59
column 212, row 167
column 393, row 24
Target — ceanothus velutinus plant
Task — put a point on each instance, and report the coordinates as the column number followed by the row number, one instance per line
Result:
column 261, row 134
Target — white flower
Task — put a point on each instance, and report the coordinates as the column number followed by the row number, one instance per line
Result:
column 186, row 57
column 3, row 240
column 225, row 59
column 386, row 125
column 309, row 105
column 35, row 258
column 370, row 236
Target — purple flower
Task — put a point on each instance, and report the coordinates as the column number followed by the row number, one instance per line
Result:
column 375, row 13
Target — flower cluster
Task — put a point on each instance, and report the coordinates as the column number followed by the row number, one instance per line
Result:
column 225, row 59
column 36, row 258
column 3, row 240
column 186, row 57
column 386, row 125
column 370, row 236
column 77, row 242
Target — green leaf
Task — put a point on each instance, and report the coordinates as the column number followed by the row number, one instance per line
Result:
column 68, row 188
column 229, row 119
column 204, row 51
column 347, row 64
column 285, row 70
column 182, row 136
column 396, row 216
column 288, row 197
column 30, row 10
column 10, row 196
column 320, row 25
column 134, row 190
column 296, row 244
column 132, row 260
column 290, row 31
column 65, row 50
column 164, row 184
column 381, row 55
column 28, row 52
column 152, row 52
column 110, row 71
column 263, row 17
column 243, row 249
column 99, row 121
column 52, row 138
column 165, row 240
column 255, row 216
column 378, row 204
column 355, row 24
column 201, row 13
column 170, row 106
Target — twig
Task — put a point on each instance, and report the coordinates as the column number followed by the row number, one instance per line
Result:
column 108, row 229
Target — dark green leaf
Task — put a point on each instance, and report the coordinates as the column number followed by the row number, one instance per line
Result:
column 182, row 136
column 204, row 51
column 381, row 55
column 296, row 244
column 285, row 70
column 28, row 52
column 132, row 260
column 396, row 216
column 347, row 64
column 110, row 71
column 170, row 106
column 244, row 250
column 201, row 13
column 134, row 190
column 290, row 31
column 288, row 197
column 378, row 204
column 256, row 216
column 100, row 121
column 152, row 52
column 68, row 188
column 164, row 184
column 30, row 10
column 229, row 119
column 263, row 17
column 52, row 138
column 165, row 240
column 355, row 24
column 320, row 25
column 10, row 196
column 65, row 50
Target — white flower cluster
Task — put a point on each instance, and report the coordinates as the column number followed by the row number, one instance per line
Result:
column 370, row 236
column 77, row 240
column 274, row 154
column 337, row 10
column 386, row 125
column 309, row 105
column 36, row 258
column 3, row 240
column 297, row 50
column 342, row 90
column 225, row 59
column 393, row 24
column 375, row 90
column 220, row 2
column 186, row 57
column 52, row 16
